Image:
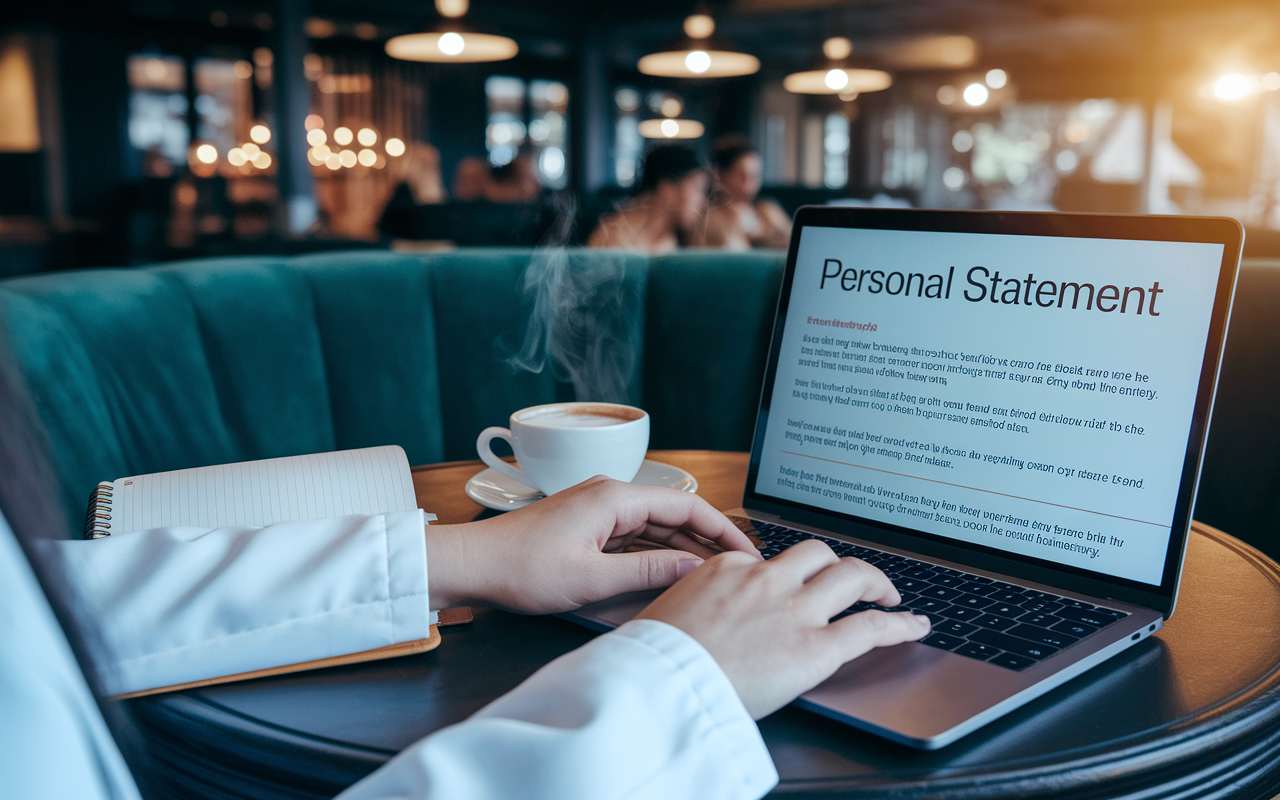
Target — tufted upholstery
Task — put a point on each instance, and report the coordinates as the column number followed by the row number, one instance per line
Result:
column 205, row 362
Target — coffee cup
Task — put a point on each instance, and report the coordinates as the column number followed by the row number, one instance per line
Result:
column 562, row 444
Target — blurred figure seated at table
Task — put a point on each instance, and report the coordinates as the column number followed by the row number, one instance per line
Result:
column 738, row 219
column 420, row 184
column 668, row 208
column 514, row 182
column 471, row 179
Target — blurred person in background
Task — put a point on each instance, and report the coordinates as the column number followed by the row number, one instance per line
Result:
column 420, row 184
column 471, row 179
column 514, row 182
column 738, row 219
column 668, row 209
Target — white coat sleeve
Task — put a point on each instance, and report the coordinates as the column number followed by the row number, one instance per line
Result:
column 174, row 605
column 641, row 713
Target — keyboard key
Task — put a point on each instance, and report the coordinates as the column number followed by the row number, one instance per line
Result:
column 1012, row 644
column 995, row 622
column 961, row 612
column 974, row 650
column 950, row 581
column 1043, row 620
column 1008, row 596
column 941, row 593
column 972, row 601
column 909, row 584
column 1106, row 612
column 980, row 579
column 1087, row 617
column 955, row 628
column 920, row 571
column 1078, row 629
column 1044, row 606
column 983, row 589
column 928, row 604
column 1006, row 610
column 942, row 641
column 1074, row 604
column 1043, row 635
column 1012, row 661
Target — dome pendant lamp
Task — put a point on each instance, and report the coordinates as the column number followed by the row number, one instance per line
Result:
column 839, row 75
column 699, row 55
column 452, row 41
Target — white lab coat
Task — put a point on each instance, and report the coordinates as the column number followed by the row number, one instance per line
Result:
column 643, row 712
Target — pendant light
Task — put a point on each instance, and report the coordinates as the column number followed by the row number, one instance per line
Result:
column 698, row 55
column 839, row 76
column 451, row 41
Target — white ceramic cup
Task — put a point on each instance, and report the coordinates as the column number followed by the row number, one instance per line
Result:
column 562, row 444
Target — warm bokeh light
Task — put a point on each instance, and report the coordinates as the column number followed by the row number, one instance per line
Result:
column 313, row 122
column 367, row 157
column 206, row 154
column 348, row 158
column 975, row 94
column 334, row 161
column 394, row 147
column 837, row 47
column 997, row 78
column 314, row 157
column 1231, row 87
column 452, row 8
column 699, row 26
column 1271, row 81
column 962, row 141
column 836, row 79
column 262, row 160
column 451, row 44
column 671, row 129
column 947, row 94
column 316, row 137
column 698, row 61
column 251, row 150
column 236, row 157
column 260, row 134
column 954, row 178
column 242, row 70
column 343, row 136
column 367, row 137
column 671, row 107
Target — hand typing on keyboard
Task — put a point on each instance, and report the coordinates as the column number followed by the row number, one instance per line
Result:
column 770, row 624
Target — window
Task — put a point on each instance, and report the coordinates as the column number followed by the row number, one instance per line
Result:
column 224, row 102
column 835, row 151
column 529, row 117
column 628, row 147
column 158, row 106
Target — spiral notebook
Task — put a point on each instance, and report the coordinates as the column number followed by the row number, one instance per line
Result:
column 373, row 480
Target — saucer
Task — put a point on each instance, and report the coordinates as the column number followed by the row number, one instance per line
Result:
column 492, row 489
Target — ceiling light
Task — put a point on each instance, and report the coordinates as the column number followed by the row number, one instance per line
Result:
column 837, row 81
column 699, row 26
column 451, row 43
column 1231, row 87
column 975, row 94
column 997, row 78
column 699, row 56
column 837, row 48
column 671, row 129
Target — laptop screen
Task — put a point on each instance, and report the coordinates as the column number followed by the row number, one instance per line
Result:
column 1029, row 394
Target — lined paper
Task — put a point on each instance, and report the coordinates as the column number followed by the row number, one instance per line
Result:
column 373, row 480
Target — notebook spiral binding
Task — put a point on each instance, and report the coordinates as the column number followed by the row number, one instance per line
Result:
column 97, row 520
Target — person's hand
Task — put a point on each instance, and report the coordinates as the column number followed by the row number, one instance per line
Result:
column 566, row 551
column 765, row 623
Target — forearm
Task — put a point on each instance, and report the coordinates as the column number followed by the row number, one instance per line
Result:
column 176, row 605
column 643, row 712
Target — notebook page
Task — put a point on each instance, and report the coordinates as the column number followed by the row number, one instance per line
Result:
column 372, row 480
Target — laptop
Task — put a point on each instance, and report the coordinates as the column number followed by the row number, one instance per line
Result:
column 1006, row 413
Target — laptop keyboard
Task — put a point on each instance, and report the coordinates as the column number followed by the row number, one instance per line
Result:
column 972, row 615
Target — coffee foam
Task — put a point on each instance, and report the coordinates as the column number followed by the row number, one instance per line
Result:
column 586, row 415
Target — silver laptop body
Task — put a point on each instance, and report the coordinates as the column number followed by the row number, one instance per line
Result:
column 903, row 370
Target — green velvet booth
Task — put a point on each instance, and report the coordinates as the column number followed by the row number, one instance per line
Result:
column 205, row 362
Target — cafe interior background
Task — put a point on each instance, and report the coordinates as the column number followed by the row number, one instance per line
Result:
column 140, row 131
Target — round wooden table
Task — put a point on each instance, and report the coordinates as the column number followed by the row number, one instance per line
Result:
column 1193, row 711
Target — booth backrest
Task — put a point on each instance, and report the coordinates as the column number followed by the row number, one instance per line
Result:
column 206, row 362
